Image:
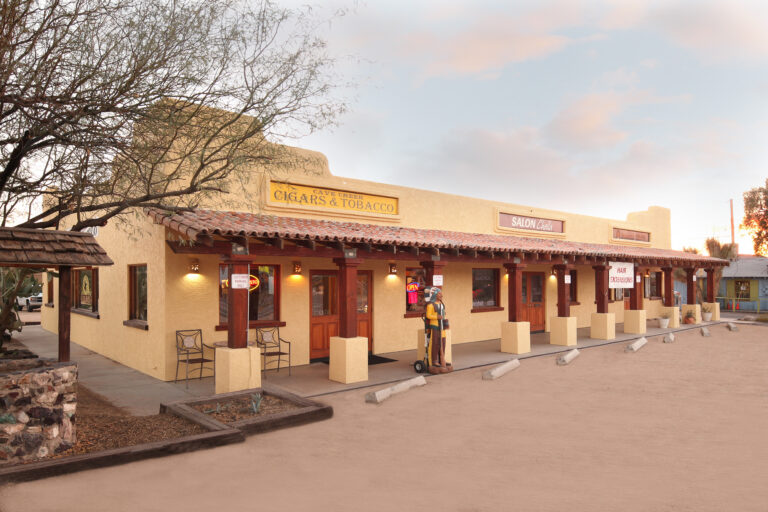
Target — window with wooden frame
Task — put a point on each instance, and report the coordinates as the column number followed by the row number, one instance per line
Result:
column 137, row 284
column 85, row 291
column 629, row 234
column 742, row 289
column 652, row 286
column 264, row 298
column 574, row 288
column 485, row 289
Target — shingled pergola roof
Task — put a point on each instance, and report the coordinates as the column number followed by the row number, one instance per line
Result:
column 204, row 225
column 21, row 247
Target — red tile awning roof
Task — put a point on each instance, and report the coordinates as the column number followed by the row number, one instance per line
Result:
column 21, row 247
column 201, row 223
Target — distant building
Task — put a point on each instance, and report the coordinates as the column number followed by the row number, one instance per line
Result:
column 744, row 286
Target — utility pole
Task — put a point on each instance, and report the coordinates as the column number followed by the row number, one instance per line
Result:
column 733, row 238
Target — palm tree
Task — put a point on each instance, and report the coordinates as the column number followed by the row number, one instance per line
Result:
column 722, row 251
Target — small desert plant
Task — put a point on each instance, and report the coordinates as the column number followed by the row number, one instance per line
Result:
column 706, row 308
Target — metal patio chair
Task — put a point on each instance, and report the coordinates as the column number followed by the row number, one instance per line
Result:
column 273, row 346
column 190, row 350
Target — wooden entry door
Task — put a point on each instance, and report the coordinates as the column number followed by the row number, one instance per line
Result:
column 534, row 301
column 365, row 306
column 323, row 311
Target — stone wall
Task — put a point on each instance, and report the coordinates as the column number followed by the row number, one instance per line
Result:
column 37, row 411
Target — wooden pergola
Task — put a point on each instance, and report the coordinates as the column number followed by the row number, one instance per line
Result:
column 59, row 250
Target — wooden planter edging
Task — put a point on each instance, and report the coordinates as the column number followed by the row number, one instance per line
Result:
column 66, row 465
column 309, row 411
column 219, row 434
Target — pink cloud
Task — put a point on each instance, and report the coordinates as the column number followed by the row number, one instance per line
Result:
column 587, row 122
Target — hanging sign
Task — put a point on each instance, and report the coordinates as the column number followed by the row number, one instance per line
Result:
column 240, row 281
column 621, row 275
column 437, row 280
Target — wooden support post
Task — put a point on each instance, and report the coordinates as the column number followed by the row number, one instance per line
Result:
column 237, row 307
column 431, row 269
column 563, row 290
column 711, row 285
column 669, row 292
column 601, row 287
column 347, row 296
column 636, row 298
column 65, row 305
column 690, row 280
column 514, row 289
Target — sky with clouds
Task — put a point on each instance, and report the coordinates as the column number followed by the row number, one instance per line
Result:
column 594, row 107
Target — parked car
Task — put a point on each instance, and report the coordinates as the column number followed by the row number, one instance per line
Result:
column 31, row 303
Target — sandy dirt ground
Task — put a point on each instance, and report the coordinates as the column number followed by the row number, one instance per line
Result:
column 674, row 427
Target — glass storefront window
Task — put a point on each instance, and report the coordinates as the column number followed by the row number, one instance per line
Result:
column 485, row 287
column 263, row 300
column 415, row 281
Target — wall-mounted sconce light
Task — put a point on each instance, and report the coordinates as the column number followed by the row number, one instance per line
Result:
column 553, row 273
column 296, row 267
column 392, row 269
column 350, row 252
column 647, row 273
column 194, row 266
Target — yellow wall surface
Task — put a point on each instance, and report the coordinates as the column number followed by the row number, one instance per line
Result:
column 422, row 208
column 139, row 349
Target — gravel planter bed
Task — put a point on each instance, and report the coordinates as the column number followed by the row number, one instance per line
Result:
column 281, row 409
column 107, row 435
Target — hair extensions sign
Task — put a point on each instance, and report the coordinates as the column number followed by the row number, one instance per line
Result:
column 621, row 275
column 343, row 200
column 511, row 221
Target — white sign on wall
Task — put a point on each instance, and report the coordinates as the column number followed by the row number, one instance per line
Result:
column 638, row 278
column 621, row 275
column 567, row 279
column 239, row 281
column 437, row 280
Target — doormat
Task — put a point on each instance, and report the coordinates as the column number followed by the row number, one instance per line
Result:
column 372, row 359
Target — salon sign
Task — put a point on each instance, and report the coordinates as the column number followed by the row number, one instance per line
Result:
column 621, row 275
column 512, row 221
column 321, row 197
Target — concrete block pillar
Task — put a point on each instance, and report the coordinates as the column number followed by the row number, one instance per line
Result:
column 634, row 321
column 562, row 330
column 516, row 337
column 673, row 315
column 237, row 369
column 348, row 360
column 714, row 307
column 603, row 326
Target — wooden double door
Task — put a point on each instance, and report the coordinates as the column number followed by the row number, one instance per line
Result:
column 533, row 300
column 324, row 305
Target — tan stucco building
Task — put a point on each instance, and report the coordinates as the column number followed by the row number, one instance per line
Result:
column 333, row 257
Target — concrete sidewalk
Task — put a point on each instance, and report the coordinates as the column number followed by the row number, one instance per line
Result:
column 142, row 395
column 125, row 387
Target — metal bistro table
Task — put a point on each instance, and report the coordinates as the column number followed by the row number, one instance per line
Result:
column 223, row 344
